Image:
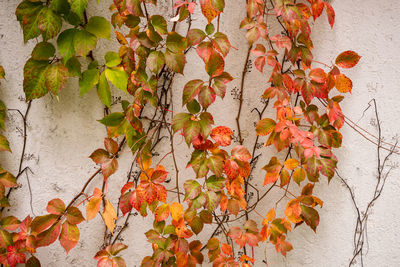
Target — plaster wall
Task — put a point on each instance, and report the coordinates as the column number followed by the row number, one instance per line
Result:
column 63, row 133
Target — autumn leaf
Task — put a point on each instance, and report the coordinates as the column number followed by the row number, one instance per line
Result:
column 109, row 216
column 347, row 59
column 265, row 126
column 241, row 153
column 343, row 83
column 69, row 236
column 93, row 206
column 162, row 212
column 208, row 10
column 222, row 135
column 176, row 210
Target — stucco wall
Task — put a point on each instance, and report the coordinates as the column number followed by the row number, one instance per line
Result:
column 61, row 135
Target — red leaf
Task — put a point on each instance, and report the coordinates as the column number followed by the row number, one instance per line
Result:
column 331, row 14
column 49, row 236
column 260, row 63
column 69, row 236
column 110, row 145
column 318, row 75
column 56, row 206
column 241, row 153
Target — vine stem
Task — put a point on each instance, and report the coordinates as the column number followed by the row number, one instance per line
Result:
column 21, row 160
column 241, row 94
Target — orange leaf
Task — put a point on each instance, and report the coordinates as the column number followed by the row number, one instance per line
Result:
column 291, row 164
column 343, row 83
column 176, row 210
column 271, row 215
column 222, row 135
column 93, row 206
column 208, row 10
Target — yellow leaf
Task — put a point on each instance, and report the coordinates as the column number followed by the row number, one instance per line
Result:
column 291, row 164
column 93, row 206
column 109, row 216
column 176, row 210
column 271, row 215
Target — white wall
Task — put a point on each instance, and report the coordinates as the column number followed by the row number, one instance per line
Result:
column 62, row 134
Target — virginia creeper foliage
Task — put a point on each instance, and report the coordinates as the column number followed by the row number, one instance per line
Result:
column 305, row 95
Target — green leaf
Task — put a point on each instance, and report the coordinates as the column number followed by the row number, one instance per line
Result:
column 65, row 44
column 215, row 164
column 159, row 24
column 60, row 6
column 193, row 106
column 84, row 42
column 56, row 78
column 103, row 90
column 113, row 119
column 4, row 144
column 78, row 6
column 74, row 66
column 132, row 21
column 179, row 120
column 215, row 183
column 3, row 113
column 212, row 200
column 206, row 121
column 218, row 5
column 112, row 59
column 191, row 129
column 27, row 14
column 33, row 262
column 176, row 62
column 215, row 64
column 89, row 79
column 43, row 51
column 210, row 28
column 176, row 43
column 197, row 225
column 310, row 217
column 192, row 189
column 155, row 61
column 49, row 23
column 195, row 36
column 99, row 26
column 35, row 79
column 206, row 96
column 191, row 90
column 118, row 77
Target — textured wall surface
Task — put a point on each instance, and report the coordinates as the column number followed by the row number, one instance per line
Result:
column 62, row 133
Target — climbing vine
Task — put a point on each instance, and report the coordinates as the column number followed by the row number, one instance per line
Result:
column 304, row 94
